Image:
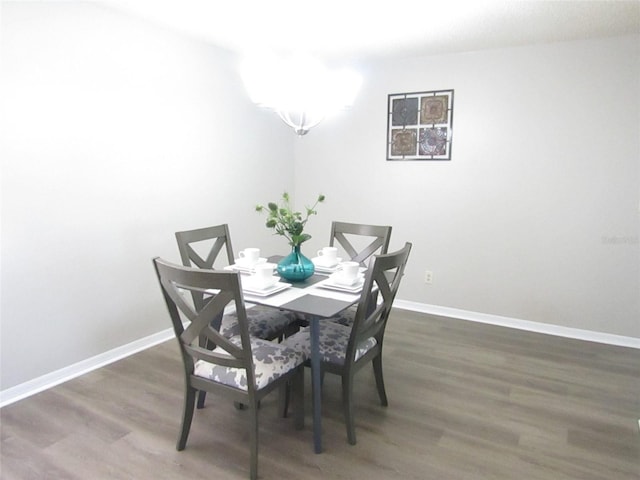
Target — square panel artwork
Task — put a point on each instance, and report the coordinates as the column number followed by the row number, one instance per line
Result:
column 420, row 125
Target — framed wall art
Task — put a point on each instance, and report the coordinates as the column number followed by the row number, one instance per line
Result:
column 420, row 125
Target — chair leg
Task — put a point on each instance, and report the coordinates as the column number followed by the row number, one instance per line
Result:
column 242, row 406
column 204, row 343
column 201, row 397
column 187, row 416
column 298, row 401
column 253, row 441
column 284, row 395
column 289, row 330
column 377, row 371
column 347, row 405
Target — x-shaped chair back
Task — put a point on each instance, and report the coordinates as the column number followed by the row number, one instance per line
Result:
column 353, row 238
column 222, row 288
column 211, row 240
column 383, row 279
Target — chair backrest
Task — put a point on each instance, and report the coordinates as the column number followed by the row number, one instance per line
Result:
column 201, row 247
column 222, row 289
column 360, row 241
column 382, row 280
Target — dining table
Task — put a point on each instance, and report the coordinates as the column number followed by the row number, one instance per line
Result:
column 317, row 299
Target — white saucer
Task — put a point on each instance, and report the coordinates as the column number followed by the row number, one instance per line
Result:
column 265, row 292
column 322, row 264
column 339, row 279
column 254, row 283
column 354, row 288
column 243, row 263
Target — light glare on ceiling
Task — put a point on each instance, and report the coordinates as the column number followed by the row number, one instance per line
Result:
column 298, row 87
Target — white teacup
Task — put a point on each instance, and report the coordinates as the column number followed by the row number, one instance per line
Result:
column 328, row 255
column 249, row 256
column 349, row 271
column 263, row 274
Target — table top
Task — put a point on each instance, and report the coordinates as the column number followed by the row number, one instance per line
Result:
column 308, row 297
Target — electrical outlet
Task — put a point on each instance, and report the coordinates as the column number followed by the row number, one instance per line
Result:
column 428, row 277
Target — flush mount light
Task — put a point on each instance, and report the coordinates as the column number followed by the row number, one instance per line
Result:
column 299, row 88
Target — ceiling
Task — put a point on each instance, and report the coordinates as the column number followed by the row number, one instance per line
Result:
column 360, row 29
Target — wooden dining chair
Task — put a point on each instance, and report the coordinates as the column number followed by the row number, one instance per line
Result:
column 359, row 242
column 242, row 368
column 202, row 248
column 344, row 350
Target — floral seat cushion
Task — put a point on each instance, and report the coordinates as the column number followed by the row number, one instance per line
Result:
column 264, row 322
column 333, row 342
column 346, row 317
column 270, row 360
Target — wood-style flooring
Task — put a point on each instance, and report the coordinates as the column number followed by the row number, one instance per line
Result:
column 466, row 401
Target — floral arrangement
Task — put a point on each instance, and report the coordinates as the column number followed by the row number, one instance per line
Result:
column 286, row 222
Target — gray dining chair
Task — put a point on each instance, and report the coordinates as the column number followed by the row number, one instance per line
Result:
column 202, row 248
column 344, row 350
column 359, row 242
column 242, row 367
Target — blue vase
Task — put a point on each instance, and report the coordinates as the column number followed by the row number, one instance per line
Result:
column 295, row 267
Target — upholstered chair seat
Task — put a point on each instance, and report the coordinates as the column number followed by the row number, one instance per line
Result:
column 346, row 317
column 270, row 361
column 334, row 339
column 264, row 322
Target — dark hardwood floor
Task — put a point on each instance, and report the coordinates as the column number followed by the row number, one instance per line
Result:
column 466, row 401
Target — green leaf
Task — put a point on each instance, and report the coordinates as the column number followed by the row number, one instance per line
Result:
column 302, row 238
column 288, row 223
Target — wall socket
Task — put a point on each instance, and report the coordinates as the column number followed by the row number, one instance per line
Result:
column 428, row 277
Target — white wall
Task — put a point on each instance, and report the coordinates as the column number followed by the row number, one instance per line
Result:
column 536, row 217
column 115, row 135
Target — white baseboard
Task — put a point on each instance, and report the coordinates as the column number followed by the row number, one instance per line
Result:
column 26, row 389
column 557, row 330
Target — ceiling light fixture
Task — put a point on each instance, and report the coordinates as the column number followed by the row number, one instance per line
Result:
column 298, row 88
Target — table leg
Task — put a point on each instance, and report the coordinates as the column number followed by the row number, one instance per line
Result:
column 316, row 384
